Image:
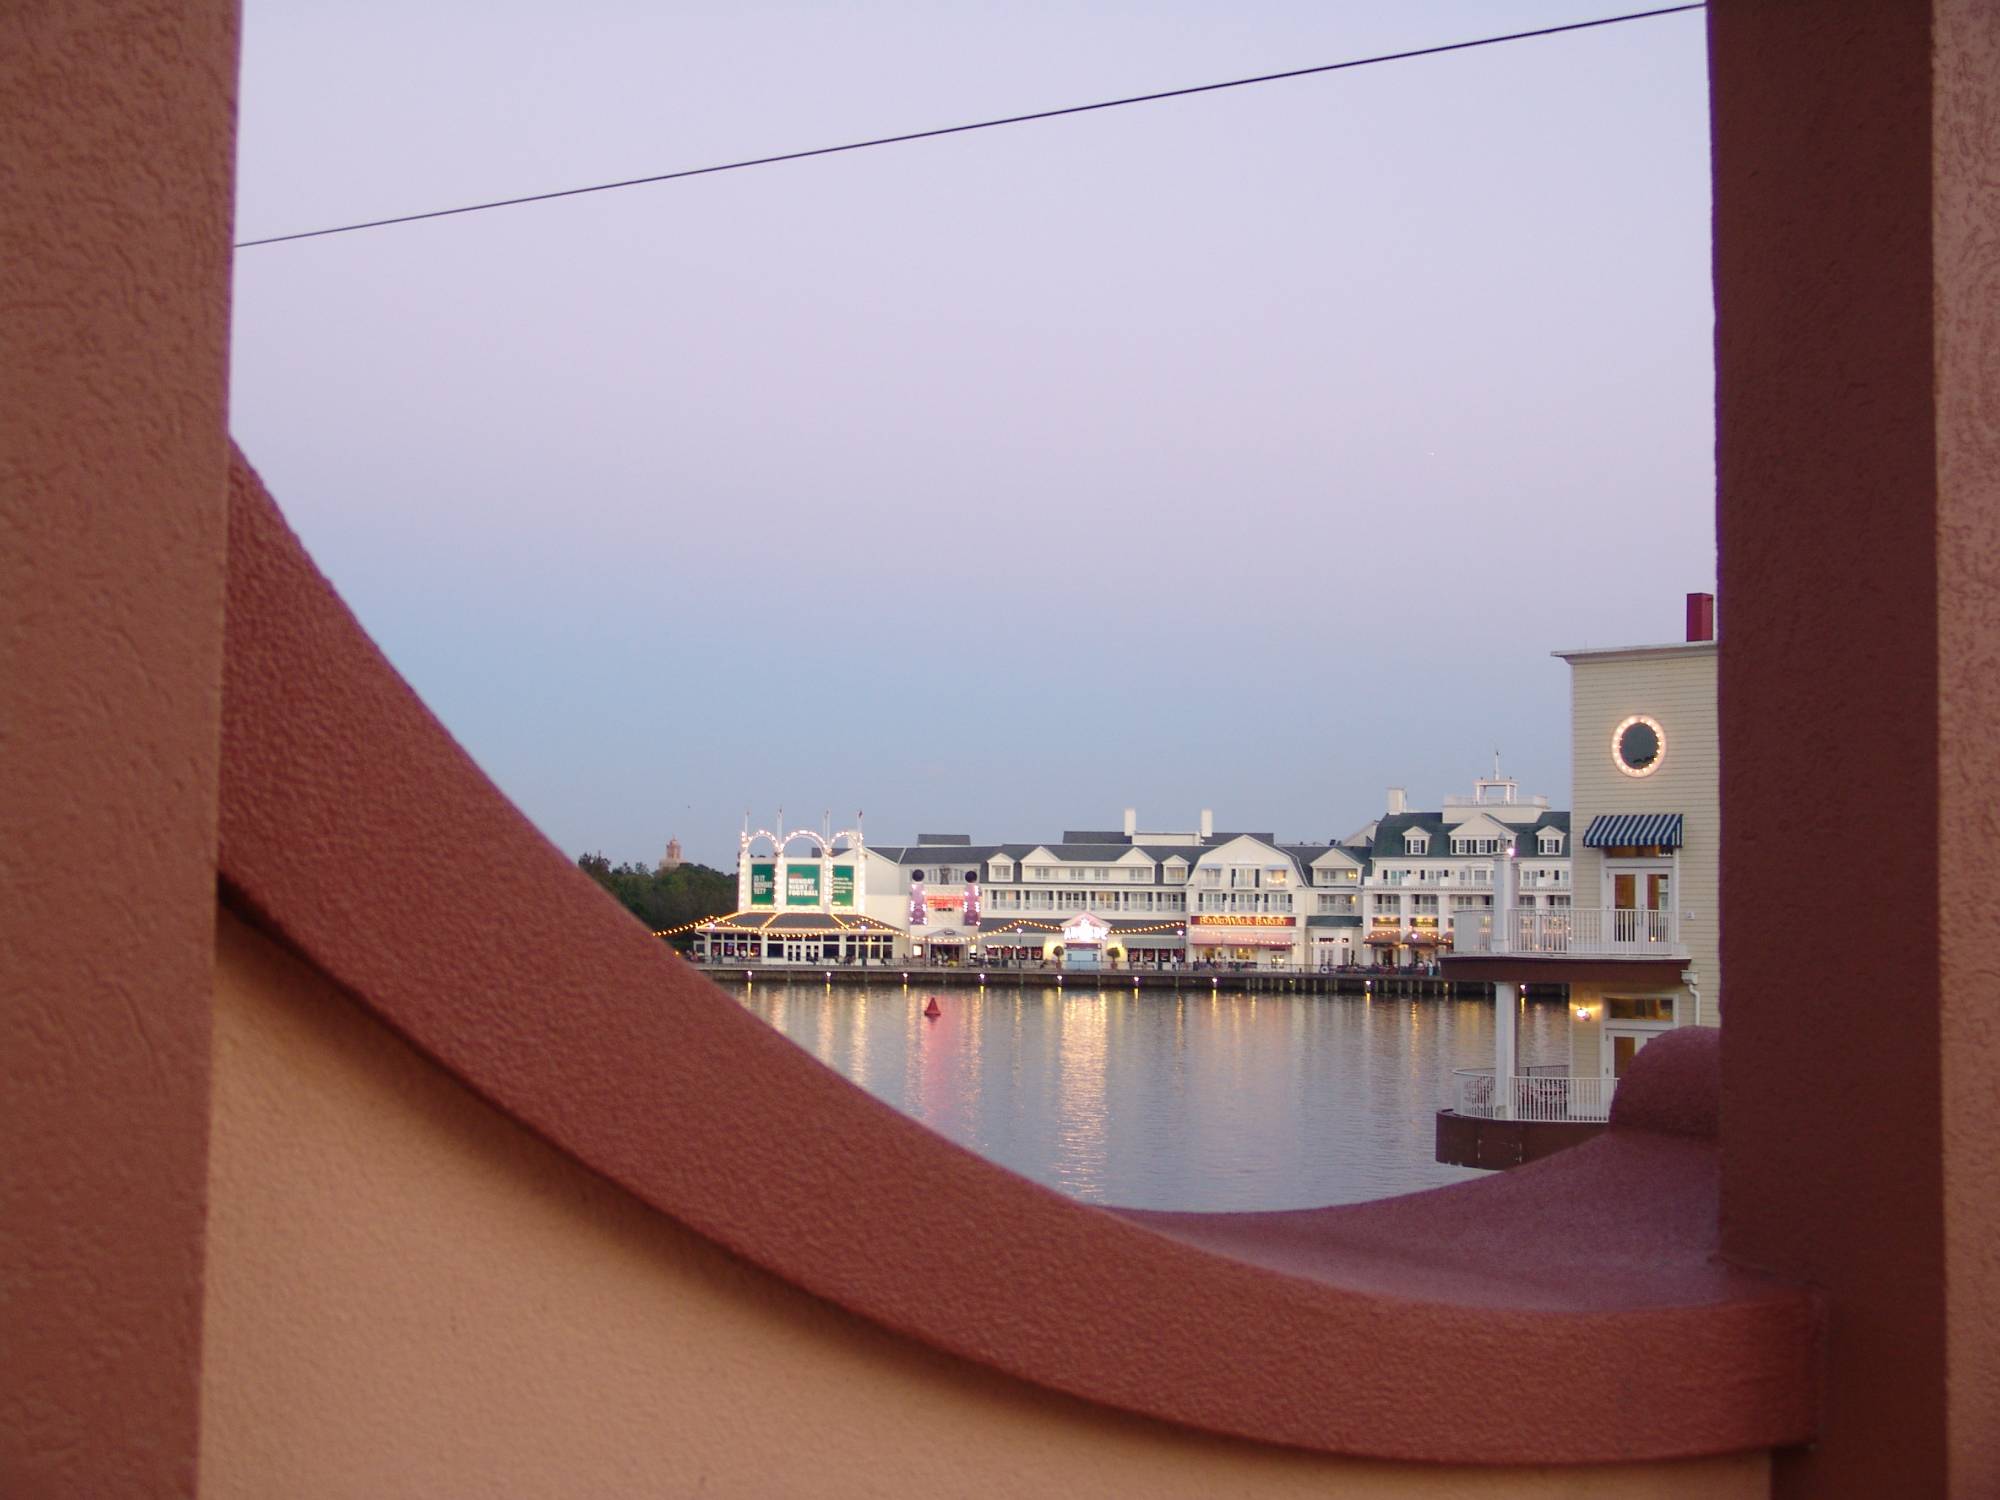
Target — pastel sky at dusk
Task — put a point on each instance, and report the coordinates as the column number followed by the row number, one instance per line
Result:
column 1248, row 451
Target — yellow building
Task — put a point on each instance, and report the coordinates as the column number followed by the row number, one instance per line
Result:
column 1637, row 945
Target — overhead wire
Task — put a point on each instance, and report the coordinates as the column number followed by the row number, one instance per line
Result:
column 993, row 124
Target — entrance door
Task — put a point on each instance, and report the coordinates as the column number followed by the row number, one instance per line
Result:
column 1641, row 898
column 1625, row 1046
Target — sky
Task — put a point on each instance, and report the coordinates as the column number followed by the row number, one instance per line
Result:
column 1249, row 451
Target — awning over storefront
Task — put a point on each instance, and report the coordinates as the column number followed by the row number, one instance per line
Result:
column 795, row 923
column 1627, row 830
column 1386, row 937
column 1240, row 937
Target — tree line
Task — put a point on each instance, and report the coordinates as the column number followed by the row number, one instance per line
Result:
column 665, row 898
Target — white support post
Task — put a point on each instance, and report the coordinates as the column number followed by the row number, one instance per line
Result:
column 1506, row 1046
column 1504, row 875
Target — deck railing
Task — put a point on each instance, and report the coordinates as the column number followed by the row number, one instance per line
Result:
column 1575, row 931
column 1539, row 1094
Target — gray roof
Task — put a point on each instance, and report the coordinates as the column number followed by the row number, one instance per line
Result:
column 935, row 854
column 1393, row 830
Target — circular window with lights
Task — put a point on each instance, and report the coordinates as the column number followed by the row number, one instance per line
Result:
column 1638, row 745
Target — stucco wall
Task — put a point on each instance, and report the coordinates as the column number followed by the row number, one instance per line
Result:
column 408, row 1294
column 1678, row 689
column 116, row 144
column 1966, row 148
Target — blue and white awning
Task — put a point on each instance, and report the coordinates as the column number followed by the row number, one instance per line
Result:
column 1626, row 830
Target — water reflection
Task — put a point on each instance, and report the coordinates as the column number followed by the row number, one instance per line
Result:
column 1214, row 1101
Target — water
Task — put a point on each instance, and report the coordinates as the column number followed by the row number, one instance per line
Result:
column 1149, row 1100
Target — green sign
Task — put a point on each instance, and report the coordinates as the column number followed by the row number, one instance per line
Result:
column 843, row 885
column 763, row 884
column 802, row 885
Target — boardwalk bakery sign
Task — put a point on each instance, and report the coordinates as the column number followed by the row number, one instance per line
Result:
column 1244, row 921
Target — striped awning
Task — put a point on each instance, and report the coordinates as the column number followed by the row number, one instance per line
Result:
column 1626, row 830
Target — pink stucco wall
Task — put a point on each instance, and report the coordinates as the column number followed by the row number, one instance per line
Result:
column 116, row 153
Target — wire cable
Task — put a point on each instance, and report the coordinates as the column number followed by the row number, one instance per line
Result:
column 925, row 135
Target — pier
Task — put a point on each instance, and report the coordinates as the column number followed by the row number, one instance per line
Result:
column 1383, row 985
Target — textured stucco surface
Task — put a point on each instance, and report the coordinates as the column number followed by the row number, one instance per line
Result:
column 116, row 150
column 1965, row 144
column 1857, row 236
column 409, row 1294
column 1425, row 1329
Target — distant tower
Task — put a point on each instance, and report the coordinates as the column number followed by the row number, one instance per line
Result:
column 673, row 859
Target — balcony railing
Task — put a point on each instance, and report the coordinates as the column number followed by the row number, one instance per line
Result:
column 1539, row 1094
column 1570, row 931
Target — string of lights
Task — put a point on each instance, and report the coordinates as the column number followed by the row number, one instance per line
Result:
column 993, row 124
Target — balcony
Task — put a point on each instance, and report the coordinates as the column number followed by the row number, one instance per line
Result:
column 1570, row 932
column 1541, row 1094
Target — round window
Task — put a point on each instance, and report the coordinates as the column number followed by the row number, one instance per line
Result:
column 1638, row 745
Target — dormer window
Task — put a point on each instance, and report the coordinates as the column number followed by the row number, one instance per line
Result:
column 1417, row 843
column 1549, row 842
column 1475, row 846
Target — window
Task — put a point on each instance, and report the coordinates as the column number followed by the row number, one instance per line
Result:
column 1416, row 843
column 1638, row 1008
column 1549, row 842
column 1475, row 846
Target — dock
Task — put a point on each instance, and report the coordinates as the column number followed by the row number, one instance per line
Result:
column 1380, row 985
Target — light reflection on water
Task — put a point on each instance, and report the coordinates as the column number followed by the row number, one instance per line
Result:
column 1211, row 1101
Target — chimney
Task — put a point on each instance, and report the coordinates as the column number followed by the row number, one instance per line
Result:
column 1397, row 802
column 1701, row 617
column 1208, row 822
column 1131, row 821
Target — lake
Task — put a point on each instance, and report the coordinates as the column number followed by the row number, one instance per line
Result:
column 1212, row 1102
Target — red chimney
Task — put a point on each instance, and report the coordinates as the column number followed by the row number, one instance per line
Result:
column 1701, row 617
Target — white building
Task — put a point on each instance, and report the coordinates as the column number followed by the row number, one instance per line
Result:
column 1138, row 899
column 1428, row 870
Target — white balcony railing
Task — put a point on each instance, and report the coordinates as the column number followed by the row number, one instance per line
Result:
column 1538, row 1095
column 1570, row 931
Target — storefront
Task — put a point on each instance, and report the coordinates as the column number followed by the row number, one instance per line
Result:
column 1247, row 942
column 1385, row 946
column 1083, row 943
column 795, row 938
column 1336, row 942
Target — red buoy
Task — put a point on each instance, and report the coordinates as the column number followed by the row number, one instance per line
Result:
column 931, row 1011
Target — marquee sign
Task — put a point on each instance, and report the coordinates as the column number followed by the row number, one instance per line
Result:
column 1084, row 931
column 763, row 883
column 1214, row 921
column 843, row 885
